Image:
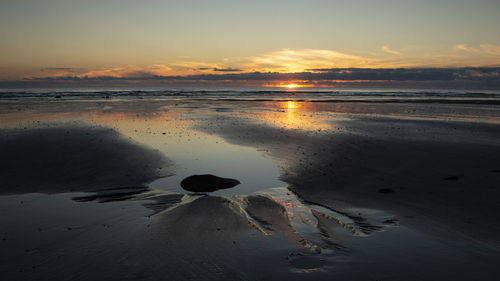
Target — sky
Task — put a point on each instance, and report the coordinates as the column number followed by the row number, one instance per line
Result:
column 59, row 39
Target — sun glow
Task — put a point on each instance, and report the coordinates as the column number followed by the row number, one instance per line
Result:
column 291, row 86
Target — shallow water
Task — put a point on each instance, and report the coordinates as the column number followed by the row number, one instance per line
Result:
column 212, row 155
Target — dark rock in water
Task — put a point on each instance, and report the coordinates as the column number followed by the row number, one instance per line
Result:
column 452, row 178
column 386, row 190
column 207, row 183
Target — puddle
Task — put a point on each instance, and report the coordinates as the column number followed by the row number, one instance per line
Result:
column 212, row 155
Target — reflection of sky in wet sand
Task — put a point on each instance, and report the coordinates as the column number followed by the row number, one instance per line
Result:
column 291, row 115
column 195, row 152
column 168, row 129
column 192, row 152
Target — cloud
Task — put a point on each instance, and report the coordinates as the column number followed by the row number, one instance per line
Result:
column 461, row 47
column 287, row 61
column 408, row 74
column 186, row 67
column 284, row 60
column 227, row 69
column 482, row 49
column 460, row 55
column 129, row 71
column 57, row 69
column 290, row 60
column 471, row 77
column 194, row 67
column 386, row 49
column 490, row 49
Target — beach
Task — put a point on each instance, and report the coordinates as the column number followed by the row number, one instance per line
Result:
column 379, row 188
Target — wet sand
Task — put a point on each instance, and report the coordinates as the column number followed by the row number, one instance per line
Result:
column 73, row 158
column 439, row 176
column 358, row 191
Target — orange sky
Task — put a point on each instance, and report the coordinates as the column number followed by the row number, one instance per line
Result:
column 126, row 38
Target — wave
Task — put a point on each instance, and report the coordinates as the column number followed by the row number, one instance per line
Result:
column 259, row 94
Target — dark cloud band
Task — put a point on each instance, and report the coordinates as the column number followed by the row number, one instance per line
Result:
column 482, row 76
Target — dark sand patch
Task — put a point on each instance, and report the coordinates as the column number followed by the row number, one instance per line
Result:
column 308, row 264
column 69, row 158
column 112, row 194
column 452, row 178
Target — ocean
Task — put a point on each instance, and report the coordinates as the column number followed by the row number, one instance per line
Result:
column 264, row 94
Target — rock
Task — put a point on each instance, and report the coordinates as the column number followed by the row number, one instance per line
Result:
column 207, row 183
column 452, row 178
column 386, row 190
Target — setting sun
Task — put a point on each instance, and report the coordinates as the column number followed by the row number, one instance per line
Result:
column 291, row 86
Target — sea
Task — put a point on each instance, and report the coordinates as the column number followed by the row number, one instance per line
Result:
column 487, row 97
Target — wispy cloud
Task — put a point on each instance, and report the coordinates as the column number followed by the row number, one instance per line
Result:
column 386, row 49
column 284, row 61
column 294, row 61
column 461, row 47
column 290, row 60
column 227, row 70
column 60, row 71
column 490, row 49
column 481, row 55
column 482, row 49
column 129, row 71
column 191, row 67
column 57, row 69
